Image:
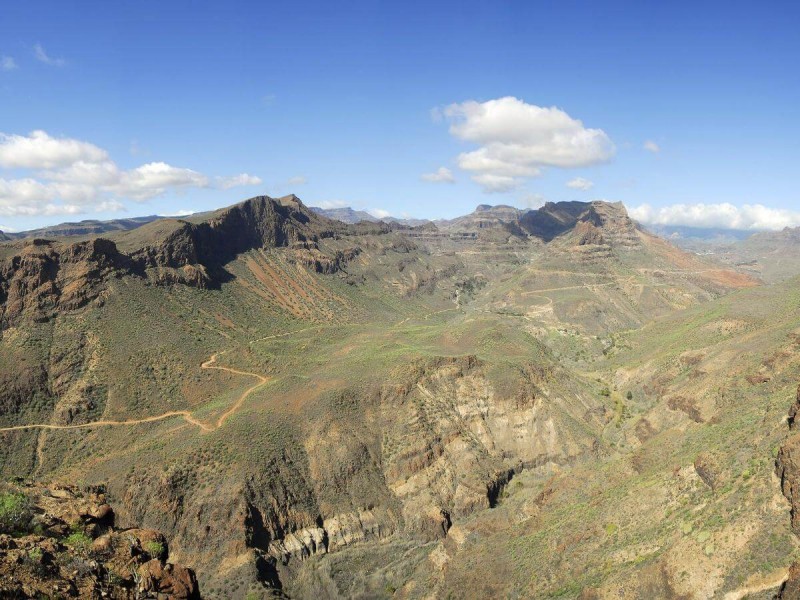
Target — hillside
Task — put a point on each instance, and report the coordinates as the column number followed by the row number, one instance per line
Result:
column 315, row 409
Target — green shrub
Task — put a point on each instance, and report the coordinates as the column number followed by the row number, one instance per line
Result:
column 33, row 559
column 78, row 541
column 154, row 549
column 15, row 512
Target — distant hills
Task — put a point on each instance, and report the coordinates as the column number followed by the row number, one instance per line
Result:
column 770, row 255
column 352, row 216
column 345, row 214
column 89, row 227
column 689, row 236
column 485, row 217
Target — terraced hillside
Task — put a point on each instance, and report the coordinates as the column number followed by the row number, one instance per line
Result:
column 310, row 408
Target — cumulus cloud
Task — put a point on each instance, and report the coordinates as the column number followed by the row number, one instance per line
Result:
column 42, row 56
column 533, row 200
column 7, row 63
column 440, row 175
column 40, row 151
column 328, row 204
column 69, row 176
column 154, row 179
column 233, row 181
column 579, row 183
column 379, row 213
column 651, row 146
column 496, row 184
column 517, row 140
column 749, row 217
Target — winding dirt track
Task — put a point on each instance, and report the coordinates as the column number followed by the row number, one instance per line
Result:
column 209, row 364
column 185, row 414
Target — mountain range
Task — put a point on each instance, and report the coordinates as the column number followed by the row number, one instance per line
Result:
column 551, row 403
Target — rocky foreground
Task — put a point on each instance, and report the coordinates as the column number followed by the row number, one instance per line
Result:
column 61, row 542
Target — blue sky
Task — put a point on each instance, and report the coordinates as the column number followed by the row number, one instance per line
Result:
column 164, row 107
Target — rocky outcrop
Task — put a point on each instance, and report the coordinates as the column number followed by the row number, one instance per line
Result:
column 790, row 590
column 486, row 220
column 65, row 544
column 335, row 533
column 787, row 467
column 45, row 278
column 42, row 278
column 260, row 222
column 586, row 223
column 164, row 579
column 453, row 438
column 583, row 223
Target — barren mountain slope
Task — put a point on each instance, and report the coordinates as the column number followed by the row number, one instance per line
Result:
column 294, row 401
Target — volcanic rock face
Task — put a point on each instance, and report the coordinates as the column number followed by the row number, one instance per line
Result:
column 260, row 222
column 787, row 467
column 65, row 544
column 45, row 278
column 581, row 223
column 588, row 223
column 443, row 442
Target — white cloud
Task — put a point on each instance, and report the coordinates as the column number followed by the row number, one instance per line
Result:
column 517, row 140
column 110, row 206
column 68, row 176
column 7, row 63
column 184, row 212
column 579, row 183
column 651, row 146
column 40, row 151
column 153, row 179
column 533, row 200
column 725, row 216
column 441, row 175
column 227, row 183
column 42, row 56
column 328, row 204
column 379, row 213
column 496, row 184
column 297, row 180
